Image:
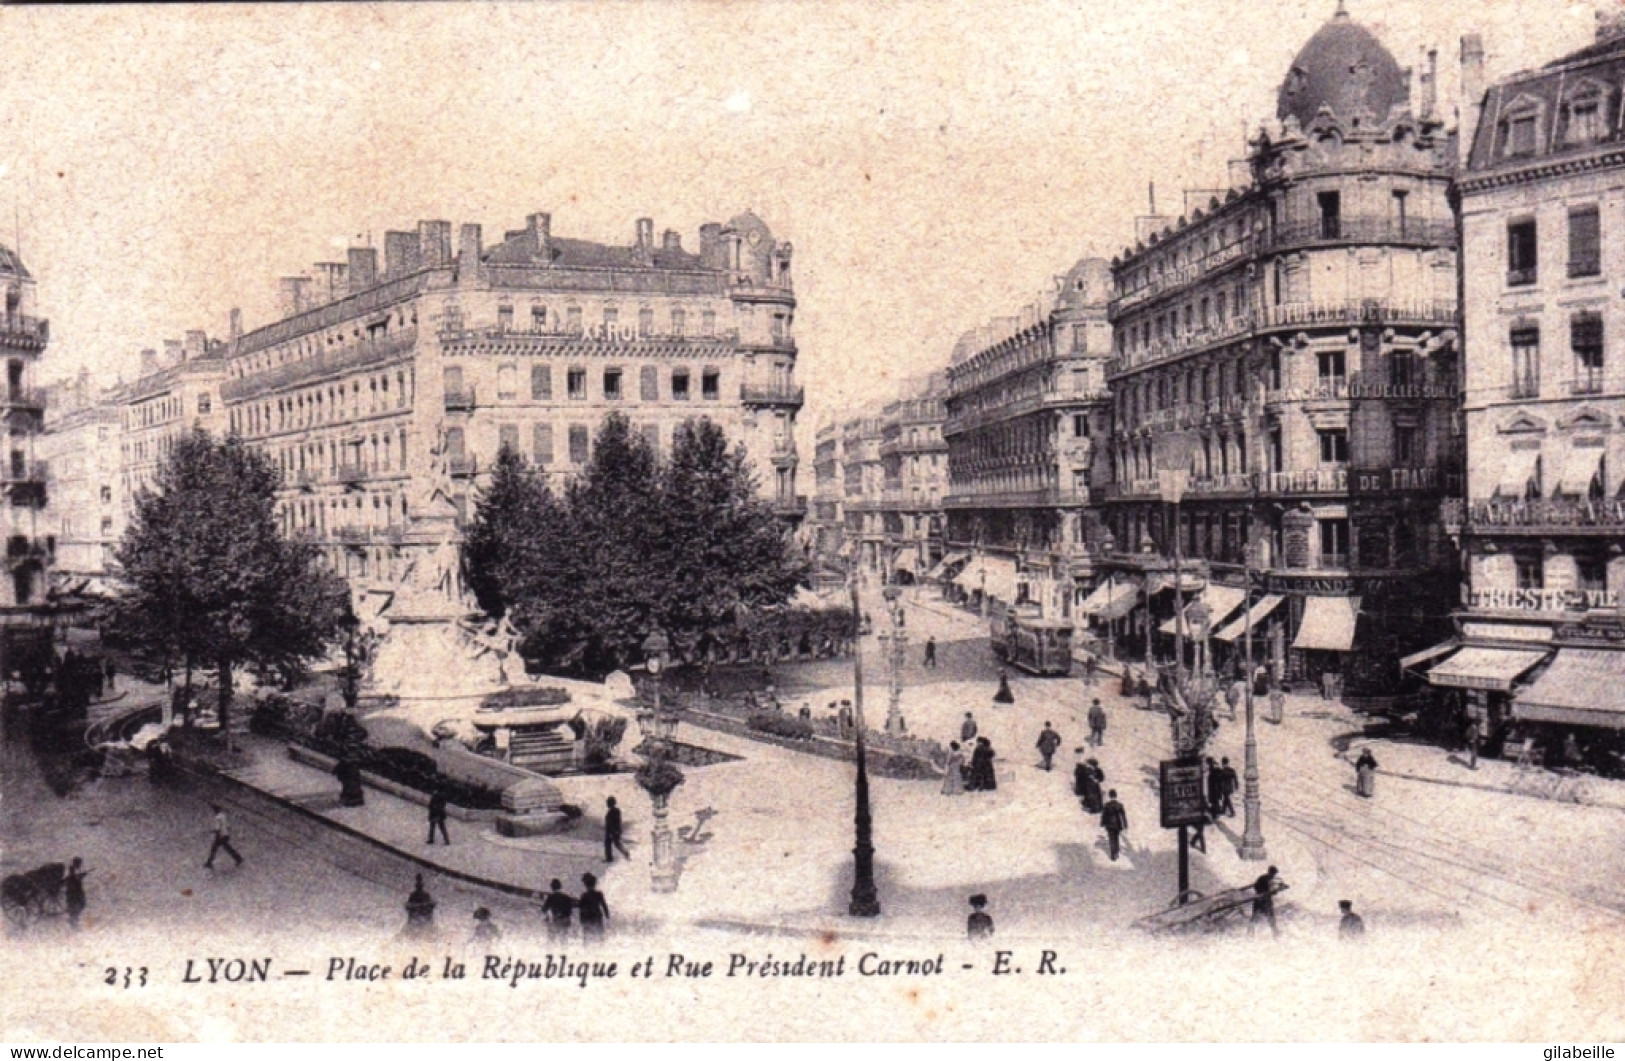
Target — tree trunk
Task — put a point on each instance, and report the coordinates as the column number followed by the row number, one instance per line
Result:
column 223, row 672
column 186, row 697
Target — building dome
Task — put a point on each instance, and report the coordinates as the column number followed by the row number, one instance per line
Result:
column 1346, row 69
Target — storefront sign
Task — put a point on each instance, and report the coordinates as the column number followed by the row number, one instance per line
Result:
column 1183, row 801
column 1319, row 587
column 1543, row 600
column 1393, row 480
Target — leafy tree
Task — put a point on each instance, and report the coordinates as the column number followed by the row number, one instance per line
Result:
column 212, row 581
column 513, row 517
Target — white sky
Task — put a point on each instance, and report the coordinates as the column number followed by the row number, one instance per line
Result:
column 934, row 163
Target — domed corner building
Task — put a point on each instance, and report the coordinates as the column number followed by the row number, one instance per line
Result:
column 28, row 547
column 1292, row 343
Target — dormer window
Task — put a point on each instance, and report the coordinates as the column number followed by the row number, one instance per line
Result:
column 1585, row 121
column 1520, row 132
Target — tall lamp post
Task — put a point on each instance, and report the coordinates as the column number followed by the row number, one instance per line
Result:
column 895, row 640
column 1252, row 837
column 658, row 775
column 865, row 900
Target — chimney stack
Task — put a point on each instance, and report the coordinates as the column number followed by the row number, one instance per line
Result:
column 174, row 353
column 1430, row 84
column 236, row 324
column 646, row 234
column 196, row 345
column 149, row 361
column 400, row 253
column 1472, row 92
column 329, row 284
column 670, row 240
column 363, row 268
column 712, row 251
column 293, row 295
column 434, row 243
column 469, row 246
column 540, row 227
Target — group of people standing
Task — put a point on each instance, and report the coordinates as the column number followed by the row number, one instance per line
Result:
column 976, row 775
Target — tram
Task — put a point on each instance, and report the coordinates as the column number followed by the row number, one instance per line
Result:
column 1023, row 638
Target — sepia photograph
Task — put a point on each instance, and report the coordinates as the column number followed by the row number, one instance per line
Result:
column 766, row 521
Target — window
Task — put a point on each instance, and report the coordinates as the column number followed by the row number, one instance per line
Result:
column 1334, row 446
column 454, row 442
column 1401, row 200
column 1585, row 121
column 507, row 382
column 646, row 322
column 612, row 384
column 508, row 438
column 576, row 383
column 649, row 383
column 1334, row 542
column 451, row 379
column 1529, row 573
column 679, row 384
column 679, row 322
column 504, row 318
column 708, row 322
column 1525, row 362
column 1404, row 445
column 1518, row 135
column 1521, row 254
column 107, row 494
column 1331, row 364
column 203, row 405
column 541, row 444
column 541, row 383
column 538, row 318
column 1585, row 335
column 1277, row 451
column 579, row 443
column 710, row 384
column 1275, row 368
column 1331, row 214
column 1402, row 368
column 612, row 317
column 1591, row 573
column 572, row 320
column 1080, row 425
column 1585, row 242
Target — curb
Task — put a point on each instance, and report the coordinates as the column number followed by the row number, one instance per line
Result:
column 1498, row 788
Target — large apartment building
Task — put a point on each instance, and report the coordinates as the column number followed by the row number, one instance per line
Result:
column 80, row 446
column 378, row 375
column 1285, row 375
column 29, row 545
column 1540, row 645
column 1026, row 407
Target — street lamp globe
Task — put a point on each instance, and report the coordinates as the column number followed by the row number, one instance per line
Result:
column 655, row 647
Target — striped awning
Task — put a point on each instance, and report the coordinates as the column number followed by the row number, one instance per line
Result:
column 1476, row 667
column 1582, row 687
column 1238, row 627
column 1328, row 624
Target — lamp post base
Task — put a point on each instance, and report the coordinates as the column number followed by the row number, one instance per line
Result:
column 662, row 873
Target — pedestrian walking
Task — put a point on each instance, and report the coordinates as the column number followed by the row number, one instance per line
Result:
column 1228, row 783
column 979, row 925
column 930, row 651
column 1351, row 929
column 1089, row 665
column 613, row 829
column 1004, row 695
column 578, row 741
column 1474, row 736
column 1215, row 788
column 1264, row 901
column 847, row 719
column 1233, row 696
column 982, row 777
column 437, row 816
column 73, row 890
column 1261, row 680
column 1277, row 703
column 485, row 930
column 967, row 728
column 222, row 838
column 1091, row 779
column 558, row 905
column 1365, row 774
column 1097, row 723
column 592, row 909
column 419, row 910
column 1113, row 819
column 1048, row 741
column 953, row 773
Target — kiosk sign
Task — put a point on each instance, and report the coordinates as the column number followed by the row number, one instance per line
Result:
column 1183, row 801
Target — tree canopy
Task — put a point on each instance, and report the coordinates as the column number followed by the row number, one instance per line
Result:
column 632, row 544
column 211, row 581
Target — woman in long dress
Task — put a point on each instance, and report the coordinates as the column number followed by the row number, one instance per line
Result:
column 953, row 778
column 981, row 767
column 1365, row 774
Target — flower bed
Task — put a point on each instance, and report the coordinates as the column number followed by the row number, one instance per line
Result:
column 907, row 758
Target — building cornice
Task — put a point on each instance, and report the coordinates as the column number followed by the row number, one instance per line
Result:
column 1544, row 170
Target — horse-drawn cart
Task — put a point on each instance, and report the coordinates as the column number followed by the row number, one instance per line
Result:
column 1194, row 911
column 30, row 896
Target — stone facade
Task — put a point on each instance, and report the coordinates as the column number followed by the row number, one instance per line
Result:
column 29, row 545
column 1288, row 350
column 375, row 377
column 88, row 500
column 1543, row 228
column 177, row 392
column 914, row 479
column 1026, row 409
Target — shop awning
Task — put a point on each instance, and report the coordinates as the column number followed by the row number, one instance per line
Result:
column 907, row 560
column 1120, row 598
column 945, row 563
column 1328, row 623
column 1187, row 584
column 1476, row 667
column 1221, row 601
column 1580, row 466
column 1238, row 628
column 1516, row 473
column 993, row 575
column 1097, row 600
column 1582, row 687
column 1418, row 658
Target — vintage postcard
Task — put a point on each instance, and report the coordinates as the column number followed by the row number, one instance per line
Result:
column 764, row 521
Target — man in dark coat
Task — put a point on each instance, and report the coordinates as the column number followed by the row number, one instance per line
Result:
column 1088, row 777
column 1228, row 784
column 613, row 829
column 930, row 651
column 1264, row 901
column 980, row 923
column 437, row 817
column 982, row 777
column 1048, row 741
column 1097, row 723
column 1215, row 787
column 558, row 905
column 73, row 891
column 592, row 909
column 967, row 729
column 1351, row 929
column 1113, row 819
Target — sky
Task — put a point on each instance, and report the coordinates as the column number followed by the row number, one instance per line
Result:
column 934, row 163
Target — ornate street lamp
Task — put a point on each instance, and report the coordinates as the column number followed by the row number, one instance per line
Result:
column 659, row 776
column 896, row 640
column 1252, row 837
column 865, row 899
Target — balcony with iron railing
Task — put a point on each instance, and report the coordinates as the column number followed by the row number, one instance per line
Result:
column 772, row 394
column 462, row 466
column 352, row 474
column 25, row 473
column 23, row 332
column 1340, row 231
column 1538, row 517
column 792, row 506
column 1526, row 386
column 459, row 399
column 24, row 399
